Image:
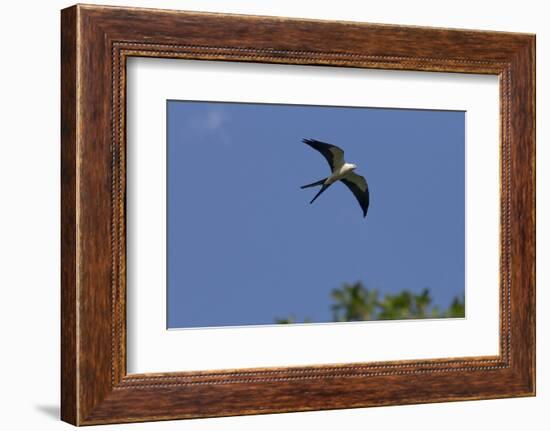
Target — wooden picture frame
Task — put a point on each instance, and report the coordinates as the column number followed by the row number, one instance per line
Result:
column 95, row 43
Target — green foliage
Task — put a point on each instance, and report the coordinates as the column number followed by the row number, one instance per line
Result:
column 290, row 319
column 354, row 302
column 456, row 309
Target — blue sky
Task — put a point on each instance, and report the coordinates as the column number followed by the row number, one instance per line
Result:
column 244, row 244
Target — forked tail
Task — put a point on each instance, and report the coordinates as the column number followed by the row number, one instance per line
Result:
column 316, row 183
column 325, row 186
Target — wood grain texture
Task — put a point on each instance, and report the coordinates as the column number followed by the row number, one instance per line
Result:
column 96, row 41
column 69, row 367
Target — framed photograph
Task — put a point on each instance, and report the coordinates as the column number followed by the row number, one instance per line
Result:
column 265, row 214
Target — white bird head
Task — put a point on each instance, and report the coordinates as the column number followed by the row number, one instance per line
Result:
column 352, row 166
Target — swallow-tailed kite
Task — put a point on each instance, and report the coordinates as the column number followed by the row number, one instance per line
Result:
column 341, row 171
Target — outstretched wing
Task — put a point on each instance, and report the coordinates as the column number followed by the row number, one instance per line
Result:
column 333, row 154
column 360, row 189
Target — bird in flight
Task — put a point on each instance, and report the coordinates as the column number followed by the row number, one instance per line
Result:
column 340, row 171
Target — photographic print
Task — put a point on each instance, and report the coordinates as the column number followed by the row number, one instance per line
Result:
column 247, row 217
column 297, row 214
